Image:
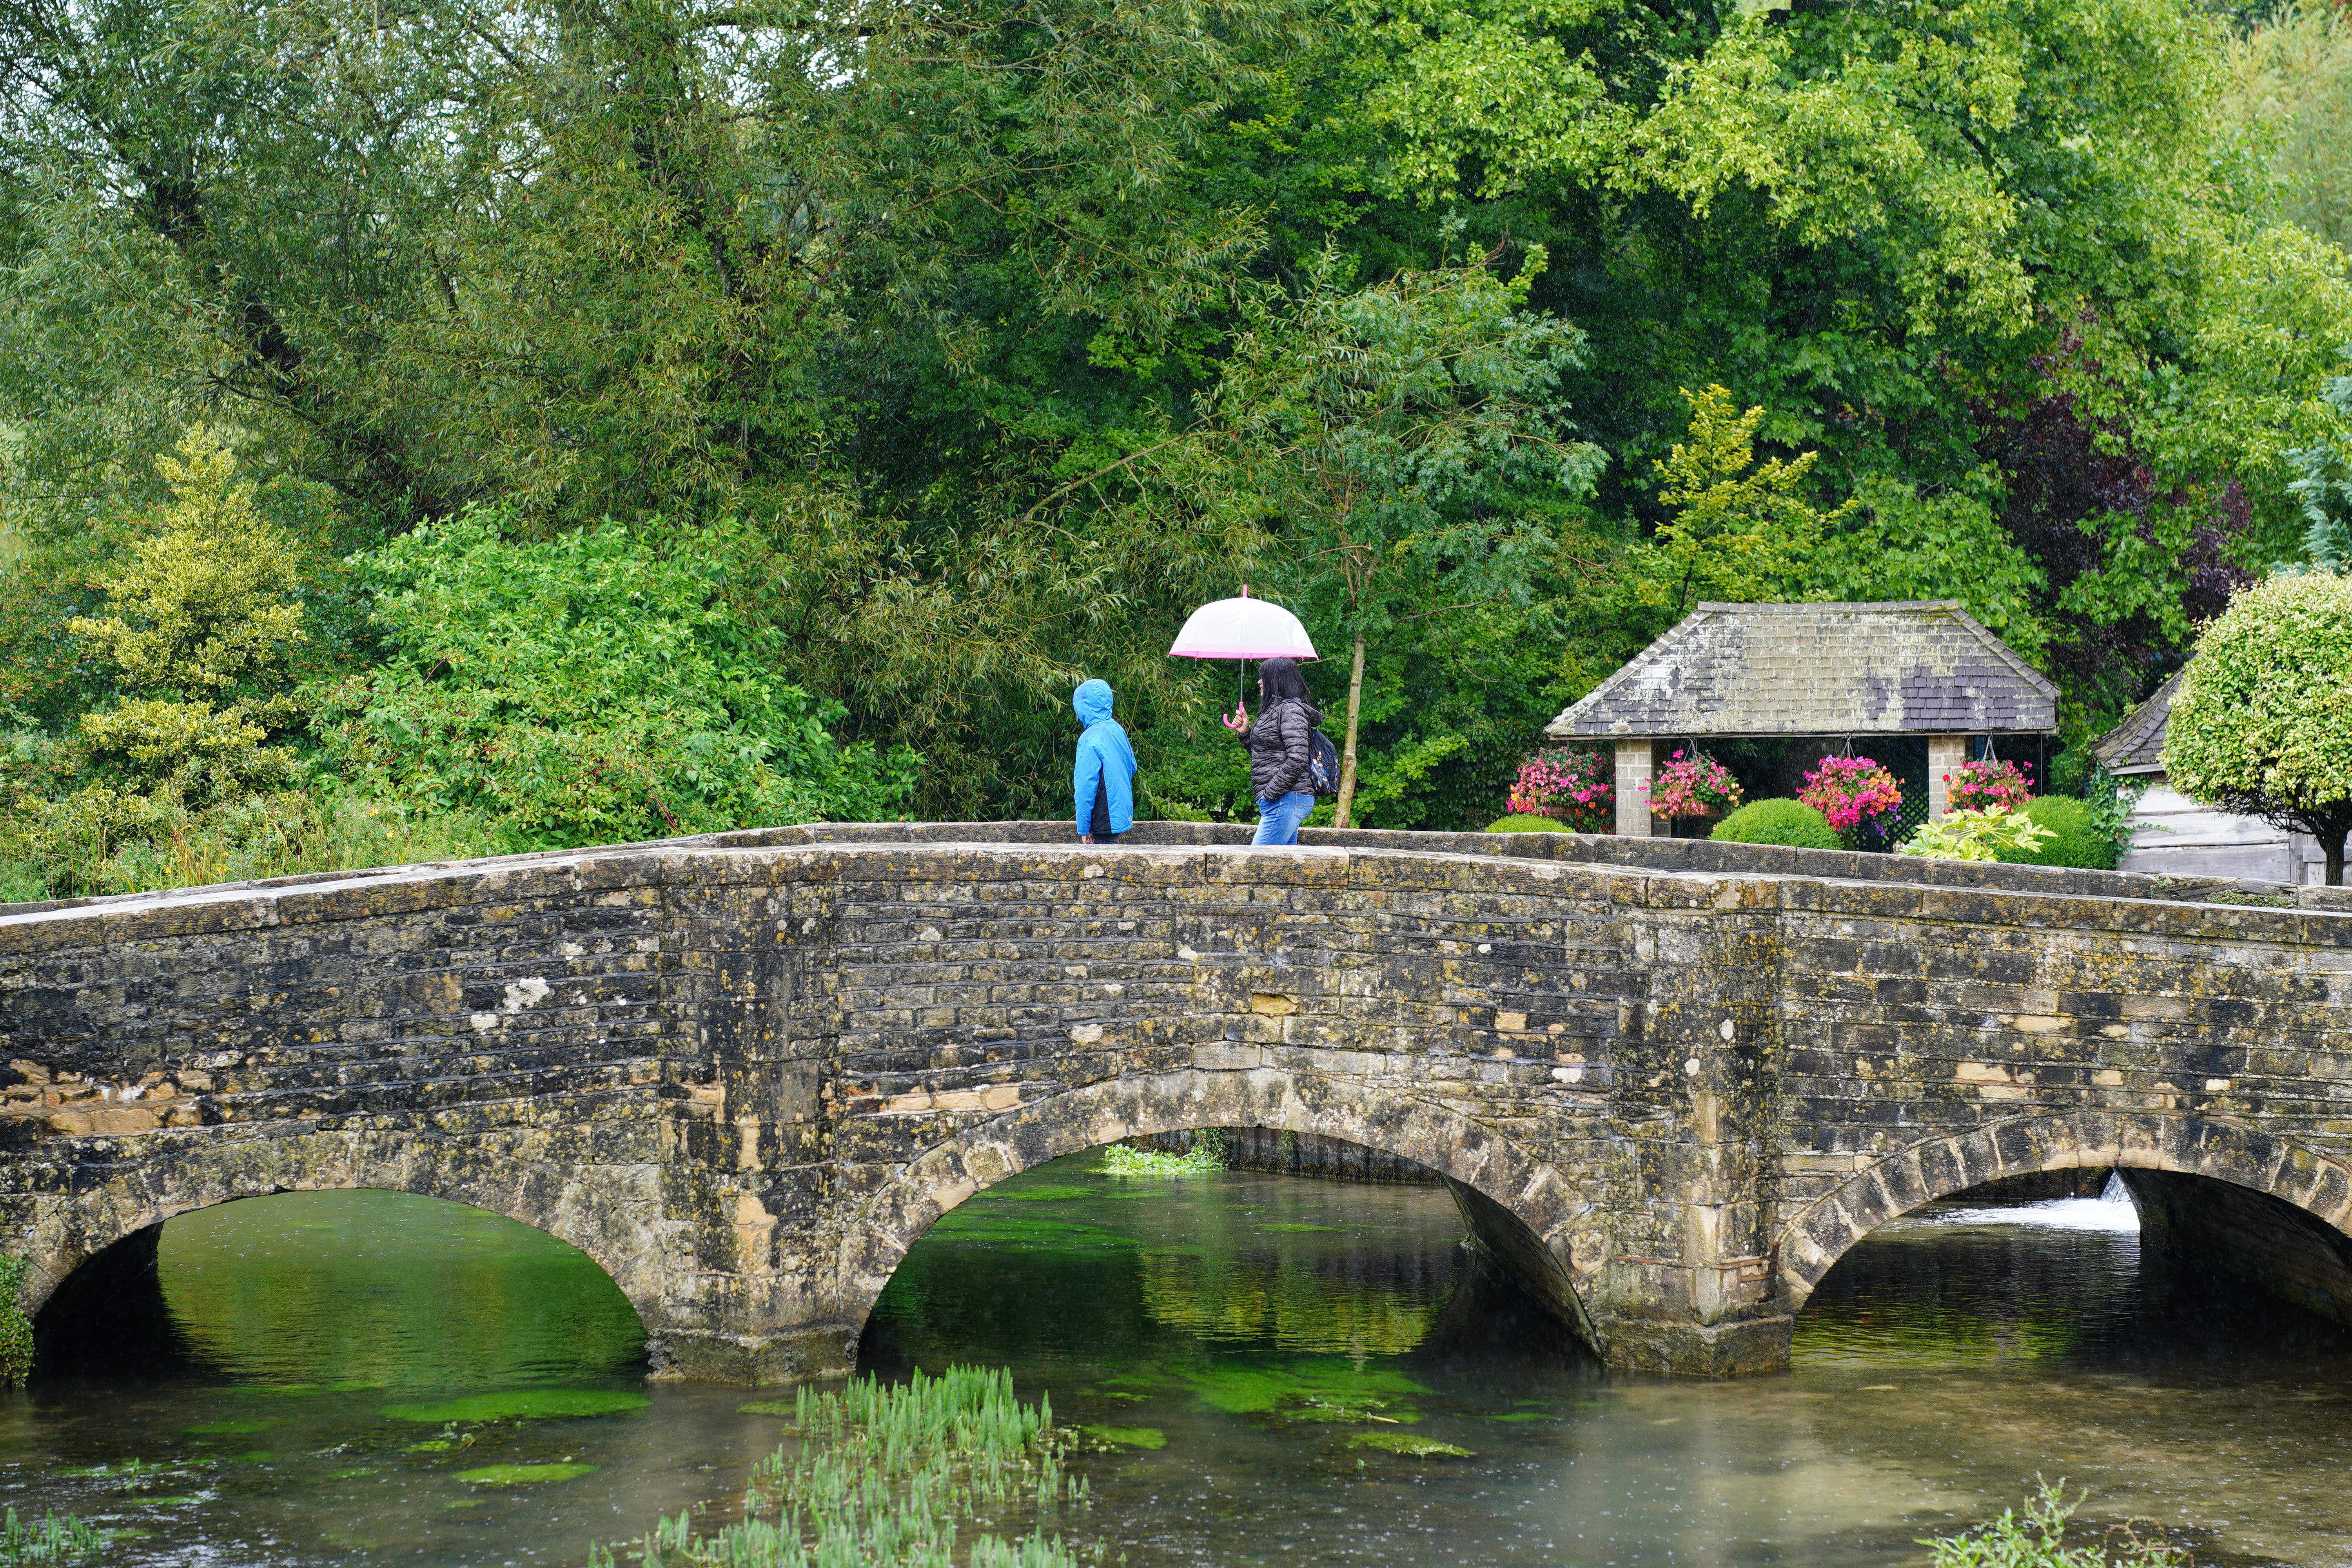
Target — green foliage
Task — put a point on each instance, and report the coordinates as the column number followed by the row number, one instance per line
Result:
column 1778, row 821
column 1992, row 834
column 204, row 622
column 882, row 1474
column 1520, row 821
column 2111, row 803
column 1206, row 1157
column 1737, row 531
column 2323, row 483
column 53, row 1538
column 1382, row 439
column 2288, row 88
column 594, row 688
column 15, row 1329
column 2257, row 726
column 2037, row 1538
column 924, row 308
column 2076, row 837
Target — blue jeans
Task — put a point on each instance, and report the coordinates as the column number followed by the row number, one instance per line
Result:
column 1279, row 820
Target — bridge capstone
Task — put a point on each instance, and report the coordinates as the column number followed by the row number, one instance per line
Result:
column 1671, row 1081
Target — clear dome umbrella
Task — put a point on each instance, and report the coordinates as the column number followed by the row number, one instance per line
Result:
column 1242, row 628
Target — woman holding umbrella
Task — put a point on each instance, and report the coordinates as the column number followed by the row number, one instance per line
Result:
column 1281, row 751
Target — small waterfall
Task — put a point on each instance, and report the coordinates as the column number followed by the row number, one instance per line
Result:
column 2114, row 1192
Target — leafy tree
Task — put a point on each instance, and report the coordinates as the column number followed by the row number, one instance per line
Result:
column 2323, row 485
column 590, row 689
column 2257, row 726
column 1387, row 434
column 202, row 626
column 1739, row 530
column 2288, row 86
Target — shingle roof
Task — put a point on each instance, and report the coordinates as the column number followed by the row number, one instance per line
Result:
column 2136, row 745
column 1912, row 668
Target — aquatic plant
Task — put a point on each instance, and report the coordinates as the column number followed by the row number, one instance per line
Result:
column 522, row 1405
column 882, row 1474
column 1206, row 1157
column 15, row 1329
column 517, row 1474
column 55, row 1538
column 1411, row 1447
column 1127, row 1437
column 2037, row 1540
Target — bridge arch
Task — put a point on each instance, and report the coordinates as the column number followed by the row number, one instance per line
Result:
column 76, row 1230
column 1525, row 1211
column 2218, row 1149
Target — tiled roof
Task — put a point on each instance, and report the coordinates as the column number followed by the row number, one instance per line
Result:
column 1912, row 668
column 2136, row 745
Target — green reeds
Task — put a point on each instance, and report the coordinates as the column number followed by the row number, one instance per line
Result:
column 882, row 1476
column 62, row 1538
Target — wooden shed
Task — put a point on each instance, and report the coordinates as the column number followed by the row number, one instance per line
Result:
column 1835, row 671
column 2172, row 836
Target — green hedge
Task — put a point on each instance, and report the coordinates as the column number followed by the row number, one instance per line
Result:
column 1778, row 821
column 1522, row 822
column 2075, row 839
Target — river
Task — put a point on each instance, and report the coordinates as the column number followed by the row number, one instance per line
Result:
column 344, row 1376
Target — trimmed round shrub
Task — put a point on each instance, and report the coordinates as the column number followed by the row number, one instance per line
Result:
column 2073, row 841
column 1520, row 821
column 1778, row 821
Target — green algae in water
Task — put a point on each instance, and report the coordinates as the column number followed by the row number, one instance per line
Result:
column 1031, row 1234
column 521, row 1474
column 1127, row 1436
column 430, row 1446
column 522, row 1405
column 228, row 1428
column 1044, row 1194
column 1291, row 1229
column 1405, row 1443
column 181, row 1502
column 1323, row 1389
column 1524, row 1415
column 766, row 1407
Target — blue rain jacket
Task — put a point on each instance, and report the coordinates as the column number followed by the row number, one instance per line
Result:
column 1105, row 760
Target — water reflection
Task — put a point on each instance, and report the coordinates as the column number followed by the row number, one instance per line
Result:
column 1279, row 1339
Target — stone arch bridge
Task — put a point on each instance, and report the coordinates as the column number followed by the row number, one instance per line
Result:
column 1670, row 1081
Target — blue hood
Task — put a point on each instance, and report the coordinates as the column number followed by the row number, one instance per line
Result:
column 1092, row 701
column 1105, row 764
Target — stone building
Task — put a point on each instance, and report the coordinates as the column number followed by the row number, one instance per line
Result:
column 2172, row 836
column 1830, row 672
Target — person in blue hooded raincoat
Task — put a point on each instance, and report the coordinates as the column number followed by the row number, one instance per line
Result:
column 1103, row 778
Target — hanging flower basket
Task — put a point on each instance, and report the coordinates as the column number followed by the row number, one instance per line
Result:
column 1859, row 796
column 1693, row 785
column 1982, row 785
column 1577, row 789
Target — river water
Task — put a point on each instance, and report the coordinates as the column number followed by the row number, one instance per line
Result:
column 368, row 1378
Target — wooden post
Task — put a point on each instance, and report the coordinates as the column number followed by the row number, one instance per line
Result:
column 1945, row 755
column 1634, row 765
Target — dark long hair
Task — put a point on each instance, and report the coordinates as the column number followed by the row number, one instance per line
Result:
column 1279, row 678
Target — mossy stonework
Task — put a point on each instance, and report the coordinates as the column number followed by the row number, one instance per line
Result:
column 744, row 1073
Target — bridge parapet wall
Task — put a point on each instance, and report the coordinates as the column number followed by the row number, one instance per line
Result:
column 745, row 1072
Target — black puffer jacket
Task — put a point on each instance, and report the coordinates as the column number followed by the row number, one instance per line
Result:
column 1279, row 749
